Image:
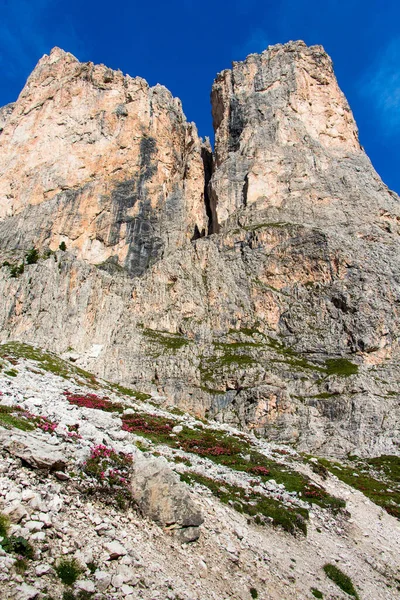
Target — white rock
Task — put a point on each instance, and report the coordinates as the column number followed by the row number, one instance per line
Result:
column 42, row 569
column 103, row 580
column 13, row 495
column 15, row 511
column 117, row 581
column 27, row 495
column 115, row 549
column 39, row 536
column 26, row 592
column 127, row 589
column 34, row 525
column 177, row 429
column 86, row 585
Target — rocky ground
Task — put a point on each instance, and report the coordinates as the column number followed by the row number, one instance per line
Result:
column 244, row 527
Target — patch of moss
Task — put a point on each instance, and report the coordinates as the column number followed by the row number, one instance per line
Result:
column 166, row 340
column 18, row 545
column 124, row 391
column 46, row 360
column 11, row 372
column 8, row 419
column 68, row 570
column 316, row 593
column 341, row 367
column 276, row 224
column 264, row 510
column 293, row 358
column 4, row 525
column 342, row 580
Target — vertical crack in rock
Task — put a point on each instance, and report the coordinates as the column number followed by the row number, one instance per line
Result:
column 210, row 204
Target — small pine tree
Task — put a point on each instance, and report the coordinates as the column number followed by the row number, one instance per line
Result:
column 32, row 257
column 62, row 246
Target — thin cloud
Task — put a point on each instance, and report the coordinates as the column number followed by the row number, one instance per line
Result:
column 381, row 84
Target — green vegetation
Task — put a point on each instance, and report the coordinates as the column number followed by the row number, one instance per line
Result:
column 11, row 372
column 62, row 246
column 165, row 340
column 8, row 419
column 20, row 566
column 46, row 360
column 230, row 451
column 262, row 509
column 341, row 367
column 377, row 478
column 316, row 593
column 68, row 570
column 276, row 224
column 17, row 270
column 341, row 579
column 4, row 525
column 291, row 357
column 92, row 566
column 18, row 545
column 253, row 593
column 32, row 257
column 124, row 391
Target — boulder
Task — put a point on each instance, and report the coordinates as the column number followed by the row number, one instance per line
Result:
column 31, row 448
column 162, row 497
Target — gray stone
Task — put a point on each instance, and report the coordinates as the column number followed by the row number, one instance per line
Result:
column 31, row 448
column 161, row 496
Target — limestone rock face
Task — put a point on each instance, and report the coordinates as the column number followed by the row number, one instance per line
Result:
column 284, row 321
column 287, row 143
column 100, row 161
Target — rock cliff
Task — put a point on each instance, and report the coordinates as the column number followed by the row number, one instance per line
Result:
column 101, row 162
column 260, row 287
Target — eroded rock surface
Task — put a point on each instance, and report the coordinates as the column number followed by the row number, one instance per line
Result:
column 283, row 321
column 101, row 162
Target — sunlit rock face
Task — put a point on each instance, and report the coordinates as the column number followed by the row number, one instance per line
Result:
column 284, row 321
column 100, row 161
column 287, row 143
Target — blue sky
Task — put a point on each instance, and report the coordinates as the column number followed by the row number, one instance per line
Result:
column 183, row 44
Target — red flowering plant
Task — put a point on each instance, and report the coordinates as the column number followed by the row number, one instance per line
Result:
column 39, row 422
column 259, row 470
column 109, row 471
column 93, row 401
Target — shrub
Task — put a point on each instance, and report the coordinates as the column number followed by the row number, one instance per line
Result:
column 341, row 579
column 4, row 525
column 17, row 270
column 316, row 593
column 62, row 246
column 68, row 570
column 109, row 470
column 18, row 545
column 253, row 593
column 32, row 257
